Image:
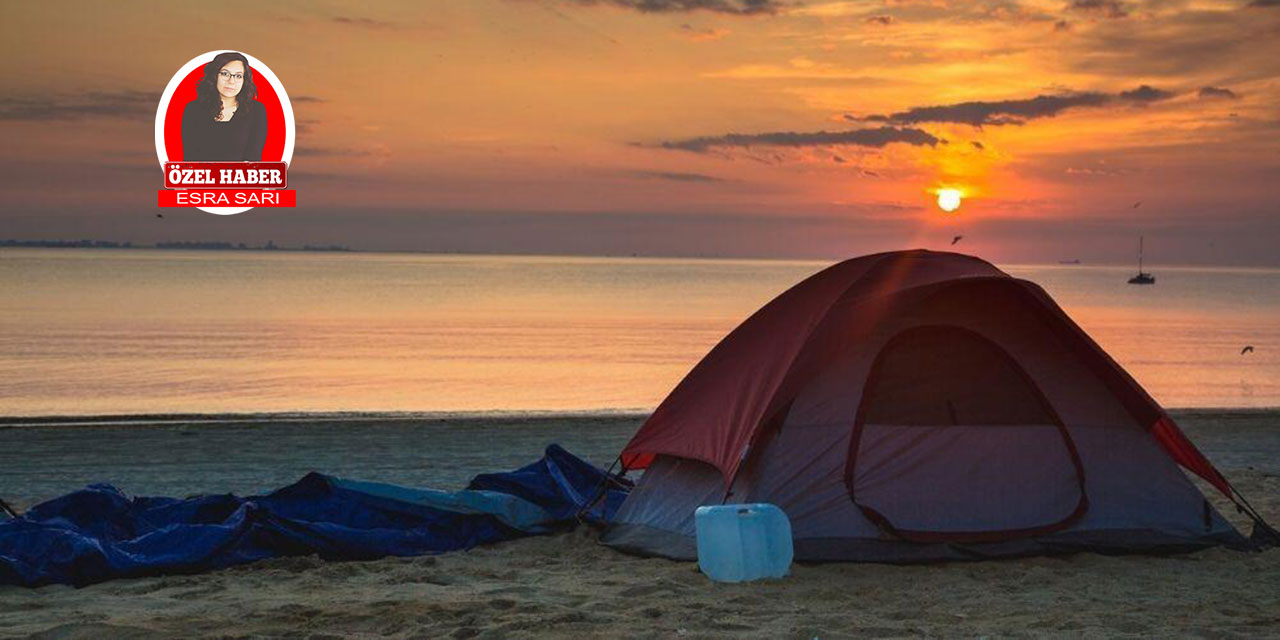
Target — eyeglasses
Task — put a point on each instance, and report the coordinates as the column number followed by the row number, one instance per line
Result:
column 230, row 77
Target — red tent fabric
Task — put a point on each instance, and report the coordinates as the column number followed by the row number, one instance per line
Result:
column 717, row 413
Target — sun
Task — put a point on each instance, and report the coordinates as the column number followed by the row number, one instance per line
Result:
column 949, row 199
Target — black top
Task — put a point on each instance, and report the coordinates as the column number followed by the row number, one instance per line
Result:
column 240, row 138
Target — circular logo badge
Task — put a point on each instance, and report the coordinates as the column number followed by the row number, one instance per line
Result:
column 197, row 80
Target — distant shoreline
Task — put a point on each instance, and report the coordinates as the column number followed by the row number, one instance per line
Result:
column 199, row 245
column 817, row 261
column 327, row 417
column 339, row 249
column 432, row 417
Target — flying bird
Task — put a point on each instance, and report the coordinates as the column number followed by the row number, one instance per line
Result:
column 1248, row 348
column 159, row 215
column 1137, row 204
column 956, row 239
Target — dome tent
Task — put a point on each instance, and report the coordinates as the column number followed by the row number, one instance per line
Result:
column 916, row 406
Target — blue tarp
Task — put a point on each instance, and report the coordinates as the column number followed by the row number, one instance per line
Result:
column 98, row 533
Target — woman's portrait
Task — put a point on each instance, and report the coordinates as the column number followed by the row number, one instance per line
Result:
column 224, row 122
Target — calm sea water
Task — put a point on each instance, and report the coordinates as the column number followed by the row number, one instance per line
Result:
column 127, row 332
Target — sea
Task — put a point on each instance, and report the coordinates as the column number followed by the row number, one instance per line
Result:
column 121, row 332
column 246, row 359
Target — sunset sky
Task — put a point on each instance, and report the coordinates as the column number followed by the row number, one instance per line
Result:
column 753, row 128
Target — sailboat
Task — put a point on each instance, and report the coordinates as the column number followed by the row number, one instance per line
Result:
column 1142, row 277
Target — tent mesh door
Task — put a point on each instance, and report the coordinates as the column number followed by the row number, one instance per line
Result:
column 954, row 442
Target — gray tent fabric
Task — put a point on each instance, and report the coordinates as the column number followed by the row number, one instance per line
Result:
column 951, row 420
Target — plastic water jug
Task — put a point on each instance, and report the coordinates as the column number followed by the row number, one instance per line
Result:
column 740, row 542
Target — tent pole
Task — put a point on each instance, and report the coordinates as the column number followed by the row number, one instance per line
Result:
column 601, row 487
column 728, row 490
column 1243, row 505
column 772, row 427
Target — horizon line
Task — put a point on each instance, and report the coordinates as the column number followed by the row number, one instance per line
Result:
column 128, row 245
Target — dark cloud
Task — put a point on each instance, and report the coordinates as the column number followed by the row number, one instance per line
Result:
column 880, row 20
column 129, row 105
column 306, row 99
column 733, row 7
column 1062, row 25
column 1207, row 93
column 860, row 137
column 1101, row 8
column 367, row 23
column 1145, row 93
column 1003, row 112
column 674, row 176
column 999, row 112
column 1265, row 4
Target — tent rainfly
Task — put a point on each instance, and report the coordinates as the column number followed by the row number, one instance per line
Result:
column 918, row 406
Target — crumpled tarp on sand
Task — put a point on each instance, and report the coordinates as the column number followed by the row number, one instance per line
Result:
column 98, row 533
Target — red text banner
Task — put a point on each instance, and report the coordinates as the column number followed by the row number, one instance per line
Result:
column 226, row 175
column 228, row 198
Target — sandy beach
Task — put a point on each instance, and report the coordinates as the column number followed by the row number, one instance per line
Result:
column 340, row 333
column 570, row 586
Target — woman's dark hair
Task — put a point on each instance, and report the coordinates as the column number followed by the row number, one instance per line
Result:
column 207, row 95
